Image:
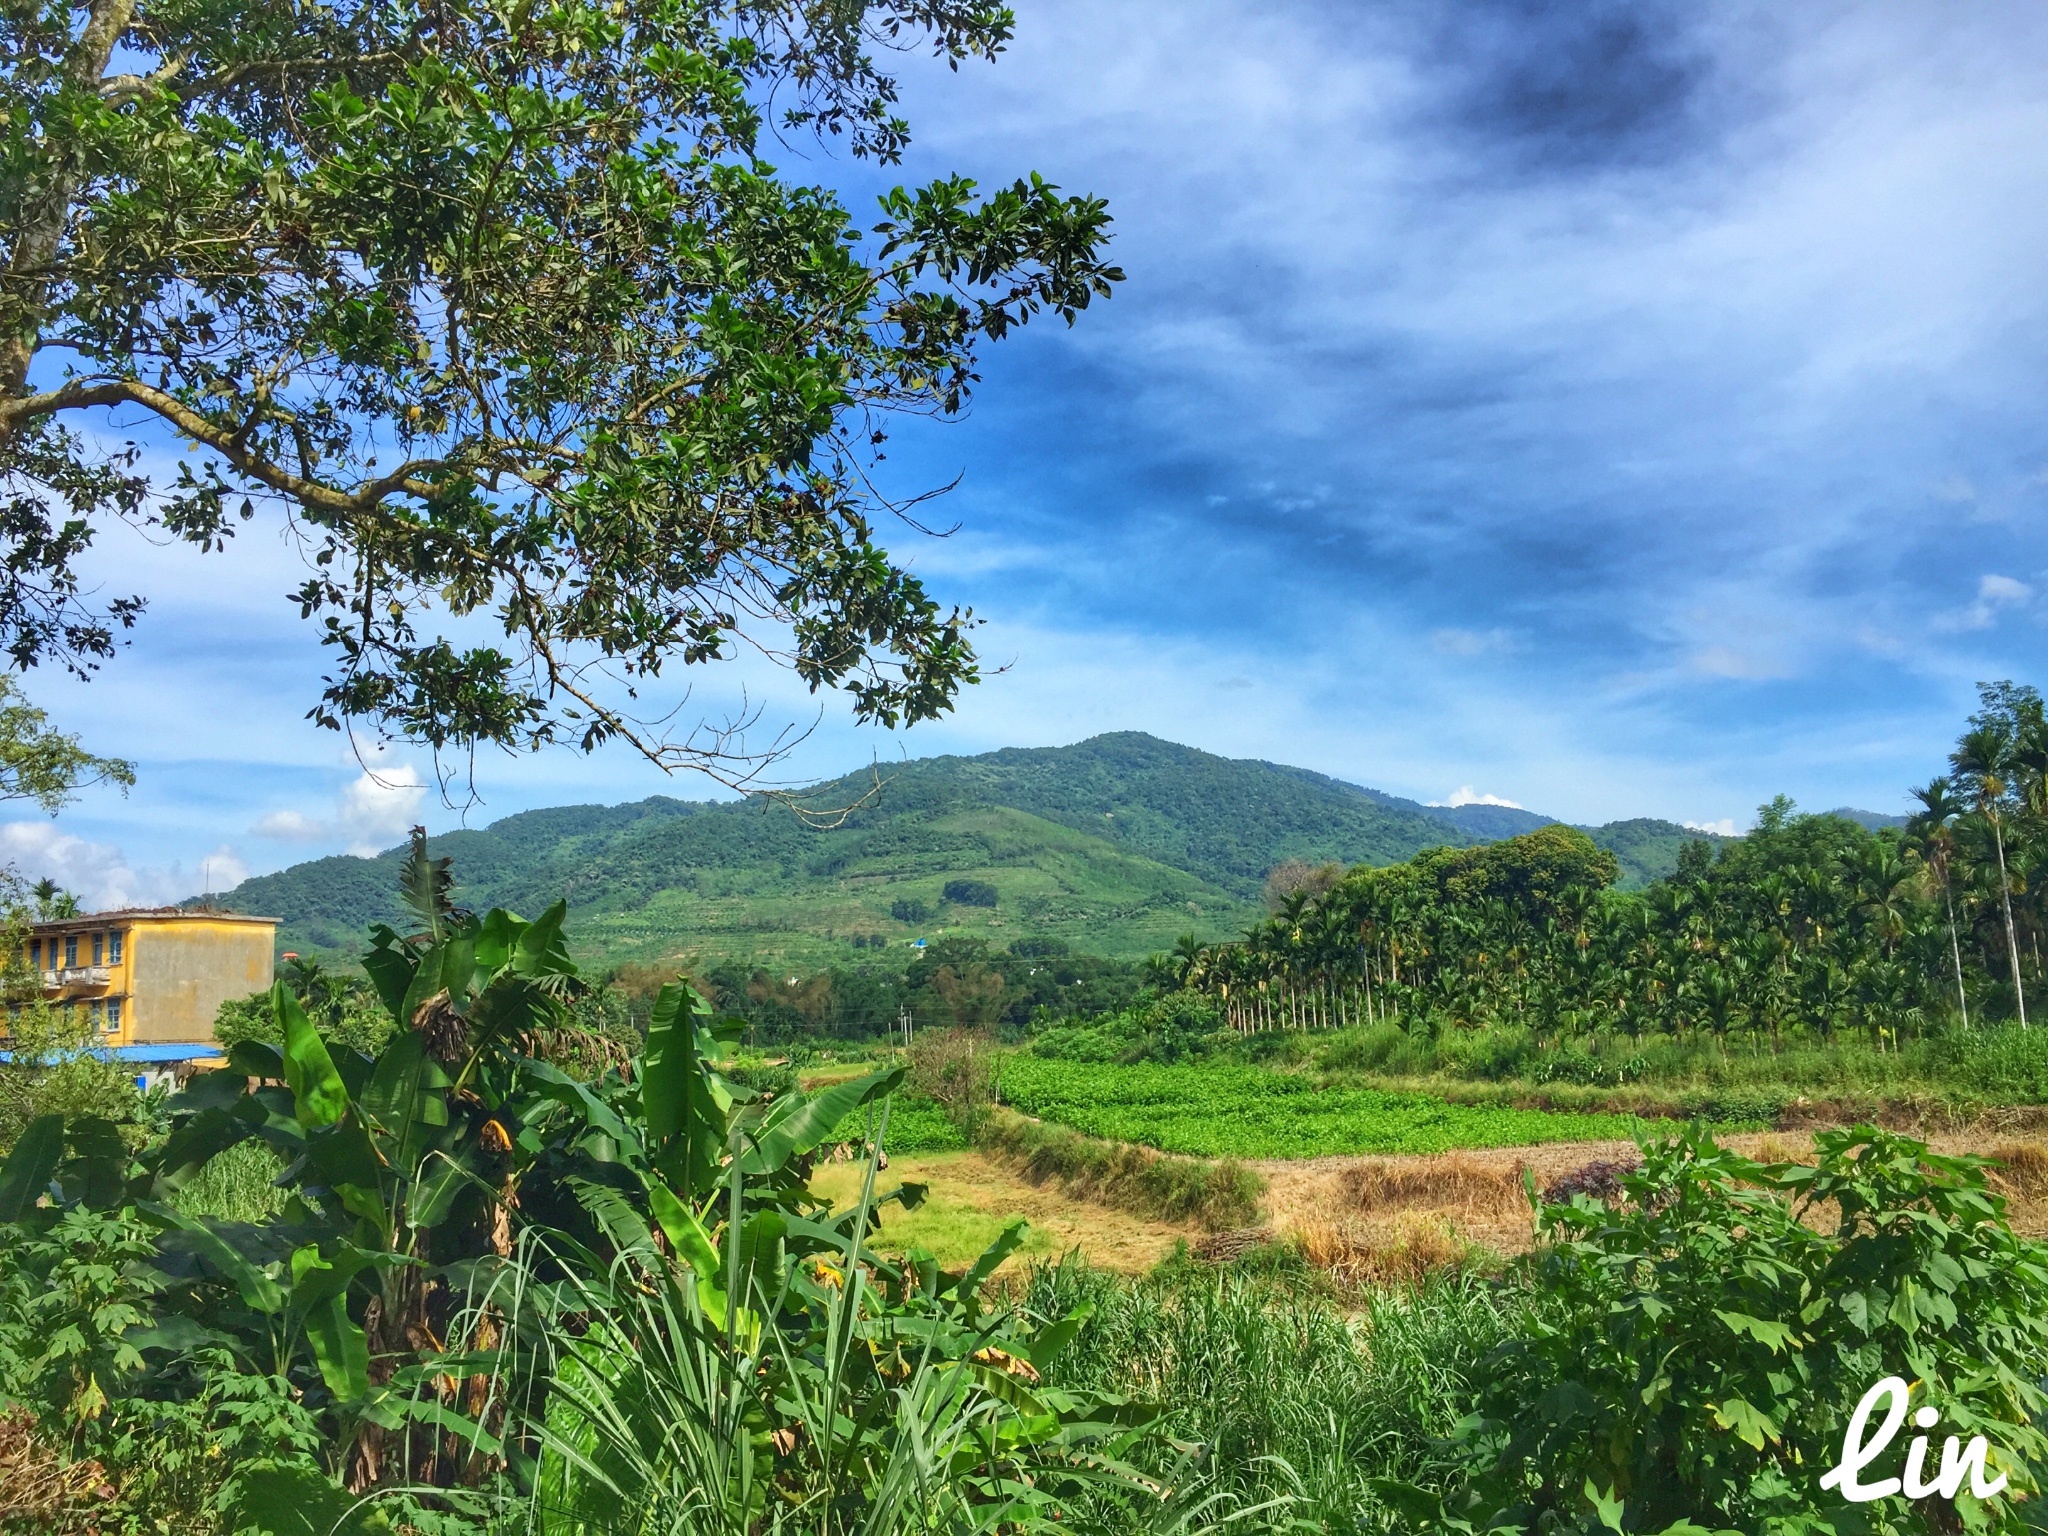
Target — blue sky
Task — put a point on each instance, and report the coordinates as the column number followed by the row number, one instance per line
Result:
column 1614, row 409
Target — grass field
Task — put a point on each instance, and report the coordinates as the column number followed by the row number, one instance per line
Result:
column 1249, row 1112
column 973, row 1198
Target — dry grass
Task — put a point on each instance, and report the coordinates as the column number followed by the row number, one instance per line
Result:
column 2023, row 1171
column 37, row 1490
column 1452, row 1183
column 1417, row 1245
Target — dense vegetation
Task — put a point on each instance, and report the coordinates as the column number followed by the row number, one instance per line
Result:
column 1809, row 928
column 1113, row 846
column 496, row 1276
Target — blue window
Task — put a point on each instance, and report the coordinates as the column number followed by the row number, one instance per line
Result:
column 114, row 947
column 99, row 949
column 35, row 954
column 113, row 1013
column 70, row 951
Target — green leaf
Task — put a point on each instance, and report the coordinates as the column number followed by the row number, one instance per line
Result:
column 318, row 1096
column 540, row 950
column 391, row 965
column 197, row 1142
column 1606, row 1507
column 208, row 1090
column 495, row 939
column 95, row 1175
column 30, row 1166
column 801, row 1122
column 339, row 1348
column 1750, row 1424
column 1010, row 1240
column 258, row 1289
column 1050, row 1343
column 1773, row 1336
column 668, row 1062
column 257, row 1059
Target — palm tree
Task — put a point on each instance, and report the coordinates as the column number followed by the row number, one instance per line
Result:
column 1933, row 834
column 1982, row 760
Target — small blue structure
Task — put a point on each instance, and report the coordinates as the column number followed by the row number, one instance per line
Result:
column 159, row 1063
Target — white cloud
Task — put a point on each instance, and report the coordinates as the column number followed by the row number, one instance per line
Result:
column 370, row 814
column 1995, row 594
column 1465, row 795
column 1725, row 827
column 100, row 875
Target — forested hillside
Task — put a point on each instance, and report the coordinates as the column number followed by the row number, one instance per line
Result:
column 1116, row 845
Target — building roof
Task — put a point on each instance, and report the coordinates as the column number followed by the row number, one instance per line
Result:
column 90, row 920
column 184, row 1050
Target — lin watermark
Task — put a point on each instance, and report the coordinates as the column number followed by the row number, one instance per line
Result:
column 1859, row 1452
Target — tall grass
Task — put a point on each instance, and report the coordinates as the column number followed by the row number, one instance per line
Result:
column 236, row 1185
column 1297, row 1405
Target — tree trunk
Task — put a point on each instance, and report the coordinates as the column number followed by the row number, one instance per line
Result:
column 1955, row 949
column 40, row 234
column 2012, row 945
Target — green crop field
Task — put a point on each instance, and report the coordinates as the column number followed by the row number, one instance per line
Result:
column 1230, row 1111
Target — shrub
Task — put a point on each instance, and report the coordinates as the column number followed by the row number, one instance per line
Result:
column 970, row 893
column 1710, row 1342
column 909, row 909
column 1181, row 1026
column 2008, row 1065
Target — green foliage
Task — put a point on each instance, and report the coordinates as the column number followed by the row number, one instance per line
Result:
column 1299, row 1407
column 1187, row 843
column 44, row 765
column 1213, row 1110
column 970, row 893
column 468, row 1239
column 1180, row 1026
column 537, row 263
column 346, row 1012
column 1703, row 1346
column 1809, row 927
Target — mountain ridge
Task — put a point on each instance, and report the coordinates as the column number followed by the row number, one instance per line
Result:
column 1114, row 845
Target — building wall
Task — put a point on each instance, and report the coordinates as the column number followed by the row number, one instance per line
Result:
column 180, row 972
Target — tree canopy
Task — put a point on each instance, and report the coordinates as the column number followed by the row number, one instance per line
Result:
column 504, row 311
column 45, row 765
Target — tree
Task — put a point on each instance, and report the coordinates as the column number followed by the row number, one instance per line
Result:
column 1982, row 759
column 1933, row 833
column 43, row 765
column 503, row 312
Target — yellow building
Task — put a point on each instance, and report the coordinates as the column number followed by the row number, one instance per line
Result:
column 153, row 977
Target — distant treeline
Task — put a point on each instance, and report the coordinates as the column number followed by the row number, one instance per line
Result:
column 1810, row 925
column 953, row 980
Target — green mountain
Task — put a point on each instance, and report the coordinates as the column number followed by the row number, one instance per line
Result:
column 1116, row 846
